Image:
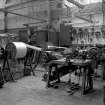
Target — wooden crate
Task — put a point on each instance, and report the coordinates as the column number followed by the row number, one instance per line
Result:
column 16, row 70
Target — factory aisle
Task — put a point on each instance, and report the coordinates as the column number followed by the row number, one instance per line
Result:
column 32, row 91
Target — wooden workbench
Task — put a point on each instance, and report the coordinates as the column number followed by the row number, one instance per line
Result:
column 87, row 82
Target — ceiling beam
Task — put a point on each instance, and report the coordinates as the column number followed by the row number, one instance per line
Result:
column 86, row 19
column 67, row 6
column 35, row 18
column 8, row 6
column 22, row 3
column 76, row 3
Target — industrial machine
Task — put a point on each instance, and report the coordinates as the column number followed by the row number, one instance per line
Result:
column 33, row 54
column 19, row 50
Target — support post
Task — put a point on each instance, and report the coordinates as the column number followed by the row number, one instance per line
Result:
column 104, row 94
column 49, row 19
column 5, row 22
column 103, row 11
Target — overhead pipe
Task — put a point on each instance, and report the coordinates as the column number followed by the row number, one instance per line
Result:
column 76, row 3
column 35, row 23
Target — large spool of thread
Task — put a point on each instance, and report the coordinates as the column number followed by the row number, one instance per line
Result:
column 16, row 49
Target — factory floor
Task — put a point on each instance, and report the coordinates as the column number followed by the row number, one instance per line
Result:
column 32, row 90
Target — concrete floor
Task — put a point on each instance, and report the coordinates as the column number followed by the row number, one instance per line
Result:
column 32, row 91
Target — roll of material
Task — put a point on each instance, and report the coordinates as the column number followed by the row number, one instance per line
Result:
column 16, row 49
